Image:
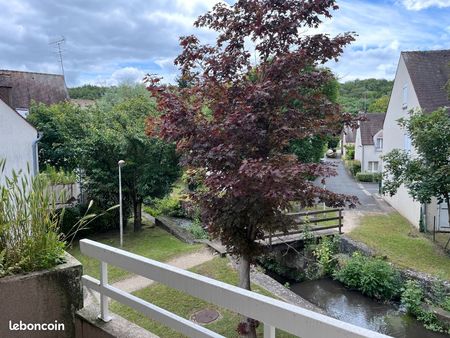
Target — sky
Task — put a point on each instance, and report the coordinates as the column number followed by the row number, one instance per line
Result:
column 108, row 42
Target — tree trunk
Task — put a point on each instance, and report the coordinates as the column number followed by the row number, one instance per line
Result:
column 248, row 324
column 137, row 211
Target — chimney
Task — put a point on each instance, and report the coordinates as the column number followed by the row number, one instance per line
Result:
column 6, row 95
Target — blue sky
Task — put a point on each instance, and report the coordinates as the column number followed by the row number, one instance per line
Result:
column 108, row 42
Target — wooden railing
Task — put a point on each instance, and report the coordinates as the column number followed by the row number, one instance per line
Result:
column 308, row 221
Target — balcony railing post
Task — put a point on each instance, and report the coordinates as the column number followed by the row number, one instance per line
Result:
column 269, row 331
column 104, row 309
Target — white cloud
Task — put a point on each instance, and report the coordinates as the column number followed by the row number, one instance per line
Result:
column 417, row 5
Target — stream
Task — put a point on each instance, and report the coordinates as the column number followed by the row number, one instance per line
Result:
column 352, row 307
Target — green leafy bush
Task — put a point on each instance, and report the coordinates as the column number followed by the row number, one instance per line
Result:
column 97, row 221
column 324, row 254
column 169, row 206
column 350, row 151
column 446, row 304
column 29, row 225
column 372, row 276
column 354, row 166
column 413, row 299
column 56, row 176
column 368, row 177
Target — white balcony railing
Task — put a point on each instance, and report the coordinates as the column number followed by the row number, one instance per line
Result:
column 271, row 312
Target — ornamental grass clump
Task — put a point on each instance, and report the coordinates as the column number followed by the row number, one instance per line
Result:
column 29, row 224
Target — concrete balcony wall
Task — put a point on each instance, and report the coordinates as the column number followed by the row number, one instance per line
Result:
column 47, row 296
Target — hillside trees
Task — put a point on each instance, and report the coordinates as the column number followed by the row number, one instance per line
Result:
column 236, row 119
column 358, row 95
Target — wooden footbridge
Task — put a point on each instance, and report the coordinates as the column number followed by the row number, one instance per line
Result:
column 316, row 223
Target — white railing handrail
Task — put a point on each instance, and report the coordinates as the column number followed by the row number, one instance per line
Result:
column 273, row 313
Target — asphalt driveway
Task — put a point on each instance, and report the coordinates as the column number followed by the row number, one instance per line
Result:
column 367, row 193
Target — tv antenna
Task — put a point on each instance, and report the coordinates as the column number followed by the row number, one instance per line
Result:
column 59, row 51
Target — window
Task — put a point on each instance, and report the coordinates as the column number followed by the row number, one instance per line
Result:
column 405, row 97
column 407, row 142
column 373, row 166
column 379, row 143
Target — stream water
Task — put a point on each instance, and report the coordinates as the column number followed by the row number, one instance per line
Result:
column 352, row 307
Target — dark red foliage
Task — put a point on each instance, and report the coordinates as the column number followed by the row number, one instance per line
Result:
column 235, row 119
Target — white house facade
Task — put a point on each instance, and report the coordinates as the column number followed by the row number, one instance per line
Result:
column 419, row 84
column 369, row 142
column 18, row 142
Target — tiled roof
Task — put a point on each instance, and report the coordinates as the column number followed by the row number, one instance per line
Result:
column 372, row 124
column 28, row 86
column 429, row 72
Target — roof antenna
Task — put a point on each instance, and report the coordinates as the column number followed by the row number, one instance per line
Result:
column 57, row 44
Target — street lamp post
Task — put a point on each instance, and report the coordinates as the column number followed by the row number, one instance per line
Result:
column 121, row 163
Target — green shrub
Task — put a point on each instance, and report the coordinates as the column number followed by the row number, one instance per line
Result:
column 56, row 176
column 169, row 206
column 364, row 177
column 350, row 151
column 446, row 303
column 412, row 299
column 368, row 177
column 29, row 230
column 324, row 254
column 98, row 220
column 354, row 166
column 372, row 276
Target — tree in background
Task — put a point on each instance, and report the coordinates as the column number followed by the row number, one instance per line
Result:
column 93, row 139
column 88, row 92
column 151, row 164
column 425, row 175
column 357, row 96
column 62, row 126
column 380, row 105
column 236, row 120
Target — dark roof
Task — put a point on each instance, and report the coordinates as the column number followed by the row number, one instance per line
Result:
column 28, row 86
column 429, row 72
column 372, row 124
column 350, row 135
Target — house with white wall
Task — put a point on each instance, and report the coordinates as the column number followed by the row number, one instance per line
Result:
column 419, row 83
column 18, row 142
column 18, row 138
column 369, row 142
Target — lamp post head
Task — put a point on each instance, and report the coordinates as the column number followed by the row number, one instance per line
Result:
column 121, row 163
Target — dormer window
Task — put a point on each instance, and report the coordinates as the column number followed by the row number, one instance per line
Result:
column 379, row 143
column 405, row 97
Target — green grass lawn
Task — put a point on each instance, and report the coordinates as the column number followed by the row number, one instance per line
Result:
column 185, row 305
column 151, row 242
column 393, row 236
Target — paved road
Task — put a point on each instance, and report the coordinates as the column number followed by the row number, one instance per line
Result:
column 367, row 193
